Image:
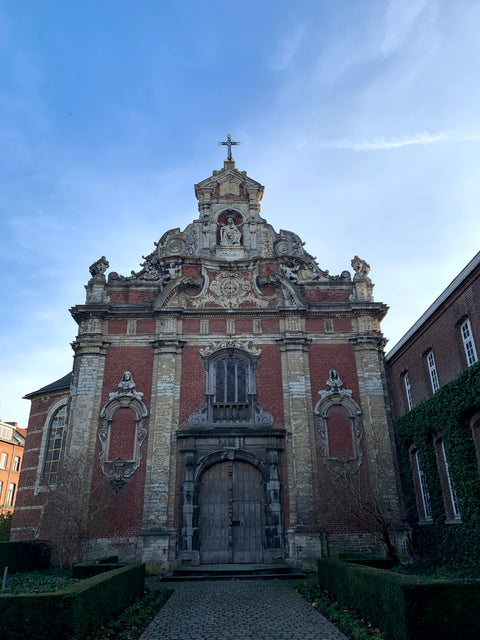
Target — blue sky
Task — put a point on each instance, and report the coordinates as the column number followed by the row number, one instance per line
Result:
column 360, row 117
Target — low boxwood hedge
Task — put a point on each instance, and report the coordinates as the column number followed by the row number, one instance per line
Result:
column 404, row 606
column 71, row 613
column 24, row 556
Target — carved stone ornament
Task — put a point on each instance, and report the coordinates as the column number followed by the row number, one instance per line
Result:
column 336, row 395
column 245, row 345
column 96, row 285
column 126, row 397
column 360, row 267
column 230, row 291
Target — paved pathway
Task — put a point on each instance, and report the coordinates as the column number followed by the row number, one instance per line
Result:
column 238, row 609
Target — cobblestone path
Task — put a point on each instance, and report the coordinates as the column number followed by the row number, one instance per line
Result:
column 238, row 609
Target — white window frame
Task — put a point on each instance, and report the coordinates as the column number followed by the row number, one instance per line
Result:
column 432, row 370
column 16, row 463
column 10, row 495
column 454, row 510
column 426, row 516
column 468, row 343
column 3, row 460
column 408, row 391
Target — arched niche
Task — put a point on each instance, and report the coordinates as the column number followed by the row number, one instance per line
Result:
column 339, row 427
column 122, row 432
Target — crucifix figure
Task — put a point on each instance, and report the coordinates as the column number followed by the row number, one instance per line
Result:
column 229, row 144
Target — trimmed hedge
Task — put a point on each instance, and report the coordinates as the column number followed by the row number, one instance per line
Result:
column 405, row 607
column 85, row 570
column 71, row 613
column 24, row 556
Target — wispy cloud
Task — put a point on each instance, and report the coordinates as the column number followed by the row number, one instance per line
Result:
column 287, row 50
column 386, row 144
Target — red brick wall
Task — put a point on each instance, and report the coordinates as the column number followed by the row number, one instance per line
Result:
column 342, row 324
column 117, row 327
column 332, row 356
column 314, row 325
column 191, row 326
column 29, row 515
column 145, row 326
column 326, row 295
column 269, row 382
column 441, row 333
column 217, row 325
column 243, row 325
column 192, row 395
column 120, row 514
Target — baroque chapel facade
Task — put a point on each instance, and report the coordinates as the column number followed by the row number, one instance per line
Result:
column 215, row 393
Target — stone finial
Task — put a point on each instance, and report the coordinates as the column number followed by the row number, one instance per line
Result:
column 96, row 285
column 98, row 269
column 361, row 267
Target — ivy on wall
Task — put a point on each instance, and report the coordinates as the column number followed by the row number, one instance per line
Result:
column 448, row 413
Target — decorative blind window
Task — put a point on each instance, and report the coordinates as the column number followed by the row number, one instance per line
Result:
column 432, row 370
column 54, row 446
column 408, row 391
column 468, row 343
column 425, row 495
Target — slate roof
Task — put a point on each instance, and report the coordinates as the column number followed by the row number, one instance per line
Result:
column 58, row 385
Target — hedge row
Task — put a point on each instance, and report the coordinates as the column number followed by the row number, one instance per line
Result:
column 24, row 556
column 405, row 607
column 71, row 613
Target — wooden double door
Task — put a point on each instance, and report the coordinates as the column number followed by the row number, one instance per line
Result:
column 231, row 514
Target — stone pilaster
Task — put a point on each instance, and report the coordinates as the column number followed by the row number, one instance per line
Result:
column 301, row 451
column 378, row 435
column 158, row 515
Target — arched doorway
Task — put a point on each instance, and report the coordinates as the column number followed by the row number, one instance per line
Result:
column 231, row 513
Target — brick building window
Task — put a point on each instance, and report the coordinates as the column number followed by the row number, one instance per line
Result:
column 10, row 495
column 16, row 463
column 54, row 444
column 408, row 390
column 422, row 494
column 3, row 460
column 468, row 343
column 450, row 500
column 432, row 370
column 1, row 491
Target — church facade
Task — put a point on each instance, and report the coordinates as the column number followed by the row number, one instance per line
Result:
column 215, row 397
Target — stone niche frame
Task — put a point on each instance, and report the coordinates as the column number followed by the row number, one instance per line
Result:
column 126, row 397
column 336, row 395
column 198, row 452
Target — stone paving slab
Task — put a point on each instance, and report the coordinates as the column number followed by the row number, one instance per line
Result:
column 238, row 609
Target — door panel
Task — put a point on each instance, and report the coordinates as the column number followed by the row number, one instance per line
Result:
column 214, row 515
column 231, row 514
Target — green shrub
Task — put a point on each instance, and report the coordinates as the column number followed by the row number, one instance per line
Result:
column 85, row 570
column 405, row 607
column 5, row 526
column 74, row 611
column 24, row 556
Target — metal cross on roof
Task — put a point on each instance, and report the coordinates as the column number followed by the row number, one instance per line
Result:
column 229, row 144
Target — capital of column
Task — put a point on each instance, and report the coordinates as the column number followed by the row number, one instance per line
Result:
column 294, row 343
column 368, row 341
column 162, row 346
column 90, row 346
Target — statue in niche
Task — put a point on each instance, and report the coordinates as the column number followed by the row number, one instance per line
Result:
column 126, row 386
column 230, row 234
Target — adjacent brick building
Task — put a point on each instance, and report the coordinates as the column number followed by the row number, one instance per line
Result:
column 12, row 442
column 215, row 394
column 434, row 383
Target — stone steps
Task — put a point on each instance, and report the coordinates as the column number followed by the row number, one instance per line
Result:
column 234, row 572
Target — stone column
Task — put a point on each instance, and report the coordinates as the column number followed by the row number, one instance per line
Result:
column 378, row 432
column 158, row 516
column 85, row 397
column 300, row 445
